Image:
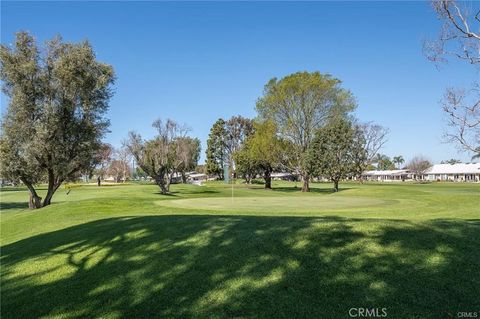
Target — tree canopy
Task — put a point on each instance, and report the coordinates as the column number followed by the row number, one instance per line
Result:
column 383, row 162
column 161, row 156
column 226, row 138
column 263, row 152
column 337, row 151
column 58, row 98
column 216, row 154
column 300, row 104
column 187, row 155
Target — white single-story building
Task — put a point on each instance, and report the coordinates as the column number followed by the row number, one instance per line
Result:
column 461, row 172
column 277, row 176
column 387, row 175
column 197, row 177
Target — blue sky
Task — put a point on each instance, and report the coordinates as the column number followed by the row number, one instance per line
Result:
column 195, row 62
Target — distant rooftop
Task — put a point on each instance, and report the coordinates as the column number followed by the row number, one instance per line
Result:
column 387, row 172
column 460, row 168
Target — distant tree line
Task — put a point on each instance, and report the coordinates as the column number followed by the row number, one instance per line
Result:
column 59, row 94
column 304, row 126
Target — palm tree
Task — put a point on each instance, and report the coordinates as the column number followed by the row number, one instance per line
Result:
column 398, row 160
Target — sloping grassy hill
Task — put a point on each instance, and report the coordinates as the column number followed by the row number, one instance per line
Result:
column 127, row 251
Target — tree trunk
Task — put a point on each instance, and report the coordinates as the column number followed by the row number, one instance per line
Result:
column 184, row 178
column 169, row 181
column 268, row 179
column 99, row 181
column 335, row 185
column 52, row 188
column 220, row 173
column 306, row 181
column 160, row 181
column 34, row 201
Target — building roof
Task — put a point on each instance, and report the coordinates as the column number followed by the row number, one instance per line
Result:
column 460, row 168
column 197, row 175
column 280, row 174
column 386, row 172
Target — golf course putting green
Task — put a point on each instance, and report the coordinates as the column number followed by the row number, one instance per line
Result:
column 282, row 204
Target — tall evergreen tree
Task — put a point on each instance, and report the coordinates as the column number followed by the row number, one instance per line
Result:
column 216, row 149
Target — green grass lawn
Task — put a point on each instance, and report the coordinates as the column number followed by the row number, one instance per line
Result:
column 127, row 251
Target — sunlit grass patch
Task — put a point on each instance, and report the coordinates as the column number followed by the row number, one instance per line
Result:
column 126, row 252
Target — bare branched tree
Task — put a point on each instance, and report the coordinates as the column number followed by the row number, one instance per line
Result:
column 157, row 156
column 124, row 158
column 459, row 38
column 418, row 165
column 375, row 137
column 463, row 117
column 104, row 155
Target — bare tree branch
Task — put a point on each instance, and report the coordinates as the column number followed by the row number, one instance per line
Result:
column 375, row 138
column 458, row 38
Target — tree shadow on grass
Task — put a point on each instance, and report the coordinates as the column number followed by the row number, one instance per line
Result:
column 199, row 191
column 329, row 190
column 171, row 194
column 241, row 266
column 12, row 205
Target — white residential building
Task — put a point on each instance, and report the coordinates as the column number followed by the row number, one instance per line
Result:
column 469, row 172
column 461, row 172
column 387, row 175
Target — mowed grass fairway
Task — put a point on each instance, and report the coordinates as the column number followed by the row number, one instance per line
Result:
column 128, row 252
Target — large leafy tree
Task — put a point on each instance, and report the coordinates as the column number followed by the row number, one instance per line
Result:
column 337, row 151
column 237, row 129
column 52, row 128
column 263, row 151
column 245, row 166
column 300, row 104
